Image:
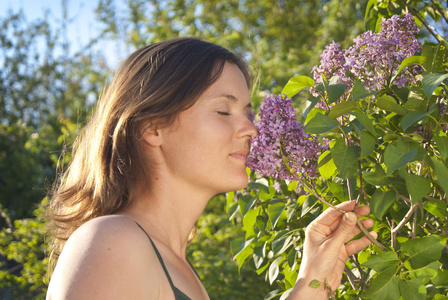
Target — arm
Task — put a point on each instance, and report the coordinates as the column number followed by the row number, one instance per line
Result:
column 325, row 250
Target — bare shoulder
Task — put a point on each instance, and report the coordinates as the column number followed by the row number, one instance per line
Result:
column 107, row 258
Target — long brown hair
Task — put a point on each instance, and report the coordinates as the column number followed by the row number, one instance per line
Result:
column 152, row 86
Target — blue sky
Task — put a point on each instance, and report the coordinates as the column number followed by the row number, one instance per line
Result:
column 81, row 29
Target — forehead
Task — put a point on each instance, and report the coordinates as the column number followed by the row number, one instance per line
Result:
column 232, row 82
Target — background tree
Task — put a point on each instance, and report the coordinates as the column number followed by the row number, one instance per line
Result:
column 47, row 93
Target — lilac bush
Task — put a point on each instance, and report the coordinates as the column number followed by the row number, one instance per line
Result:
column 373, row 58
column 282, row 148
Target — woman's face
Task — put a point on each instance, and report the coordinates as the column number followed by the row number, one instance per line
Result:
column 207, row 146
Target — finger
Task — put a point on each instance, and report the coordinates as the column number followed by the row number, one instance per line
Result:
column 329, row 216
column 356, row 246
column 345, row 228
column 367, row 223
column 362, row 211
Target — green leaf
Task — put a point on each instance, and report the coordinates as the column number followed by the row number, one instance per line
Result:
column 335, row 91
column 259, row 254
column 422, row 251
column 431, row 81
column 409, row 61
column 365, row 121
column 309, row 203
column 388, row 103
column 437, row 208
column 249, row 221
column 442, row 174
column 281, row 242
column 395, row 159
column 315, row 283
column 339, row 191
column 342, row 108
column 413, row 289
column 246, row 202
column 418, row 186
column 326, row 165
column 360, row 92
column 384, row 286
column 441, row 279
column 377, row 178
column 367, row 142
column 345, row 158
column 320, row 123
column 296, row 84
column 382, row 261
column 411, row 117
column 381, row 201
column 274, row 269
column 274, row 212
column 442, row 145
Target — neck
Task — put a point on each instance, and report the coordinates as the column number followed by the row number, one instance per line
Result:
column 168, row 214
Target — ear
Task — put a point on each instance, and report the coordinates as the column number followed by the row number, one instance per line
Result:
column 152, row 136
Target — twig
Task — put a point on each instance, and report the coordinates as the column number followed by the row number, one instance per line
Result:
column 402, row 223
column 414, row 225
column 351, row 277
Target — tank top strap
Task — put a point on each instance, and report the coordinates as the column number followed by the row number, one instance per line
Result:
column 160, row 258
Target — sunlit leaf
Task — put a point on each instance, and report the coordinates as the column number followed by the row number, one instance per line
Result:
column 422, row 251
column 437, row 208
column 296, row 84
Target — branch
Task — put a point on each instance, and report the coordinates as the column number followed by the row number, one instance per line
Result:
column 404, row 221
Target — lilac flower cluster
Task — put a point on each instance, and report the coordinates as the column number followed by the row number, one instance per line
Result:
column 374, row 57
column 282, row 148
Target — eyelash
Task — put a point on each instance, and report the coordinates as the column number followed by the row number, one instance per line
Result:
column 223, row 113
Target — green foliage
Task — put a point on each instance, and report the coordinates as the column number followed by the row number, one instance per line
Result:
column 24, row 261
column 210, row 254
column 388, row 150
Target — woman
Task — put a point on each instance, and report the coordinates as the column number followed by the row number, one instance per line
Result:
column 172, row 130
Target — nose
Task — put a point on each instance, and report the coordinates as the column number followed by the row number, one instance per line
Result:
column 248, row 129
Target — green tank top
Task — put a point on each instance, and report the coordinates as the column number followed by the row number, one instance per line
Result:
column 178, row 294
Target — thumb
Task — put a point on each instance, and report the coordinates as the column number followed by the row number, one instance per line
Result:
column 345, row 227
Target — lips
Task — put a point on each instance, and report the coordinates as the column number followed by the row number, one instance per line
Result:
column 241, row 155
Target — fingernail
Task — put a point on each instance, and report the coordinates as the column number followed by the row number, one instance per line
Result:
column 350, row 218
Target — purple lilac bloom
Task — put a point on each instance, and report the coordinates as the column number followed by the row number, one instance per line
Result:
column 282, row 148
column 374, row 57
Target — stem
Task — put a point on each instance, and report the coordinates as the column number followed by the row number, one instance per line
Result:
column 351, row 277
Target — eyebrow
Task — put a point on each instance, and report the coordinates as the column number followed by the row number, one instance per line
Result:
column 235, row 99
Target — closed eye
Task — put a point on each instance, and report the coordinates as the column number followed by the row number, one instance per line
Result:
column 223, row 113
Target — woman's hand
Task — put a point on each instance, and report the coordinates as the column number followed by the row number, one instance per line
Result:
column 325, row 250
